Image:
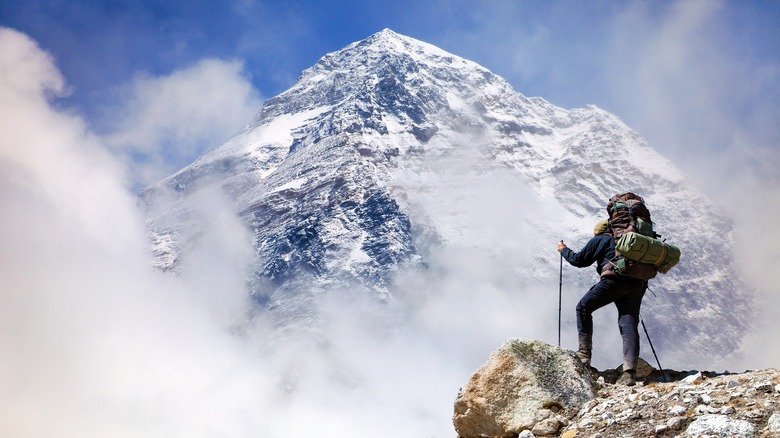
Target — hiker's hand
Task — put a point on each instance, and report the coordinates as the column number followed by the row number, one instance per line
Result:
column 561, row 245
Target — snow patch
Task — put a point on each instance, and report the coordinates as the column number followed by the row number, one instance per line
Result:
column 295, row 184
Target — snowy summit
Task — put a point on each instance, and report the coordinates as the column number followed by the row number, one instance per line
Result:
column 390, row 152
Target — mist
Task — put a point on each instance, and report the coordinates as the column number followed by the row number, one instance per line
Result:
column 697, row 79
column 159, row 124
column 95, row 342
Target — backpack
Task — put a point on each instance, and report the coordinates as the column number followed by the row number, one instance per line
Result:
column 645, row 249
column 628, row 214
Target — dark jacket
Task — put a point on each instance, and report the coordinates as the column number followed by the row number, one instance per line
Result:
column 599, row 249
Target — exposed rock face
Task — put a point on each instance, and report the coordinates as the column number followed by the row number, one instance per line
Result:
column 524, row 385
column 668, row 404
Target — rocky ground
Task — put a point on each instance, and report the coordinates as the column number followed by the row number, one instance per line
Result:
column 529, row 389
column 695, row 404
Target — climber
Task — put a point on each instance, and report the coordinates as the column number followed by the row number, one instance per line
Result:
column 626, row 292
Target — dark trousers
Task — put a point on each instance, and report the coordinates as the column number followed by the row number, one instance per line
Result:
column 627, row 295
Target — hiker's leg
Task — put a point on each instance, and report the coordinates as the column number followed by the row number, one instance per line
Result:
column 601, row 294
column 628, row 321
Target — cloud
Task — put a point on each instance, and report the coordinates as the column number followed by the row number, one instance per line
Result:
column 95, row 343
column 689, row 81
column 683, row 77
column 699, row 79
column 165, row 122
column 51, row 151
column 100, row 344
column 690, row 76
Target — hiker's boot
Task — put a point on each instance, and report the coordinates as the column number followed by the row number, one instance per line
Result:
column 628, row 378
column 585, row 347
column 584, row 356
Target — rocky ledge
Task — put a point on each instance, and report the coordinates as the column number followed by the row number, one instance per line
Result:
column 531, row 389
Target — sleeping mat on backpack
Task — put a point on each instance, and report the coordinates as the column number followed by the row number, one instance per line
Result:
column 645, row 249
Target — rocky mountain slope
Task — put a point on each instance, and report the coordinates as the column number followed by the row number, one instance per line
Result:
column 357, row 174
column 531, row 389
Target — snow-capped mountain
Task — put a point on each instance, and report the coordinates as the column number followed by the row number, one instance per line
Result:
column 375, row 158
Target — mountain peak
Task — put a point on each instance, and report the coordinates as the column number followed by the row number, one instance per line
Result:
column 345, row 179
column 383, row 50
column 386, row 34
column 388, row 40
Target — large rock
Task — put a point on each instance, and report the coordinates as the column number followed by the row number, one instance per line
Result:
column 720, row 426
column 524, row 385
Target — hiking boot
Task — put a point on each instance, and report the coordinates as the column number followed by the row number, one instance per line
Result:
column 584, row 357
column 628, row 378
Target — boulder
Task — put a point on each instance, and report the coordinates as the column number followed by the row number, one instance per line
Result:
column 643, row 368
column 720, row 426
column 523, row 383
column 773, row 425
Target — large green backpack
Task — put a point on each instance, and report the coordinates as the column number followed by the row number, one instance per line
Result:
column 638, row 252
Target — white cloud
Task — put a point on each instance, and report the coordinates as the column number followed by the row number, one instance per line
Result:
column 683, row 78
column 99, row 344
column 697, row 78
column 168, row 121
column 93, row 341
column 693, row 77
column 51, row 152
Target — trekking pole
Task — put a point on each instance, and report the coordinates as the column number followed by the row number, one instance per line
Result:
column 651, row 291
column 653, row 349
column 560, row 294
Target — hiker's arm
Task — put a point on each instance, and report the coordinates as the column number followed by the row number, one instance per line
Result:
column 585, row 257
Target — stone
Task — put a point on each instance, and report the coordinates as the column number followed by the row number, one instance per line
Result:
column 693, row 379
column 643, row 368
column 526, row 434
column 677, row 410
column 704, row 409
column 763, row 387
column 518, row 386
column 719, row 426
column 733, row 383
column 547, row 427
column 774, row 422
column 569, row 434
column 676, row 423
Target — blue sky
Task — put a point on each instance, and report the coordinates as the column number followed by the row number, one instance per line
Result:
column 544, row 48
column 694, row 77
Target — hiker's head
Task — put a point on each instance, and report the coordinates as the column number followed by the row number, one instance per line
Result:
column 601, row 226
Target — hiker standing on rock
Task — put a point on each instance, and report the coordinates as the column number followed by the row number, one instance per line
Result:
column 626, row 292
